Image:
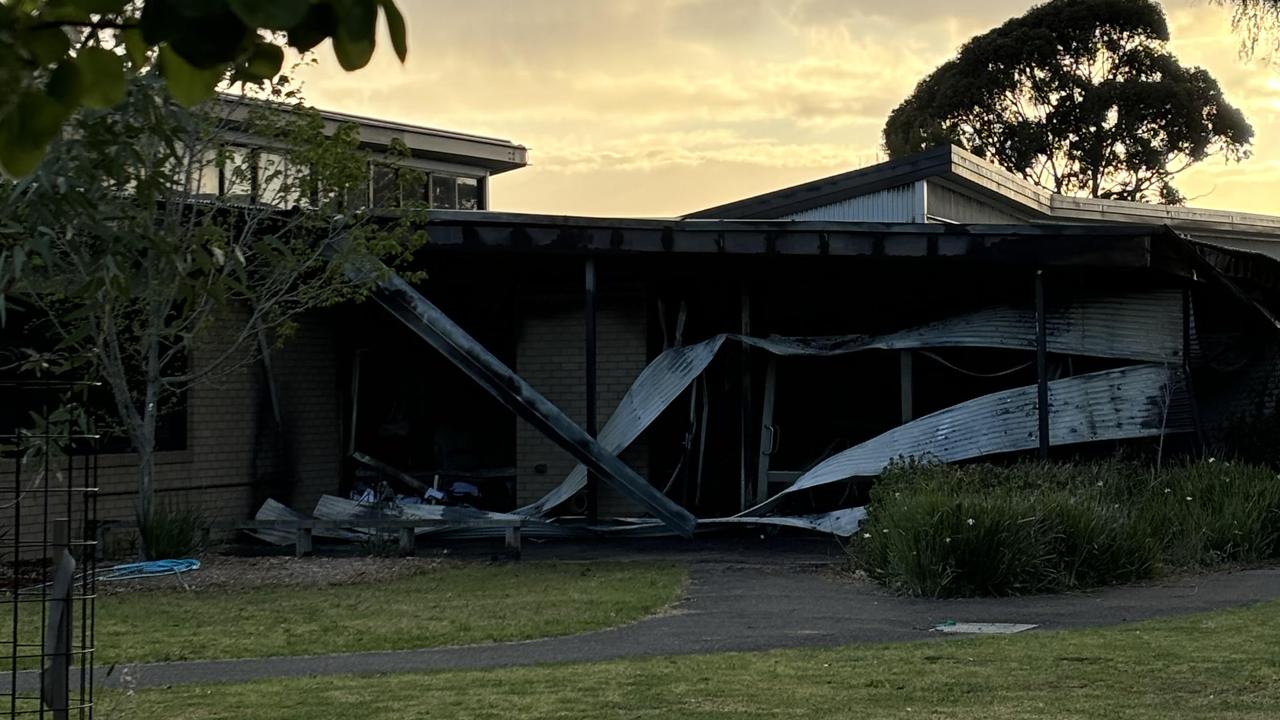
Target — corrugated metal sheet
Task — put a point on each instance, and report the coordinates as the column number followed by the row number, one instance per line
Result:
column 1140, row 326
column 842, row 523
column 657, row 386
column 330, row 507
column 896, row 204
column 272, row 510
column 1131, row 402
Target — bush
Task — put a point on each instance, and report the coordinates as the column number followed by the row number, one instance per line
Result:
column 1212, row 513
column 1031, row 527
column 947, row 531
column 174, row 531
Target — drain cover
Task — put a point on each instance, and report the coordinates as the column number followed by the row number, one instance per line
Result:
column 982, row 628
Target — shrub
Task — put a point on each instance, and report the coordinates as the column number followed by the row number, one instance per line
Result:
column 948, row 531
column 1211, row 513
column 174, row 531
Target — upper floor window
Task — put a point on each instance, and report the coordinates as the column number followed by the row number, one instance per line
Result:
column 250, row 175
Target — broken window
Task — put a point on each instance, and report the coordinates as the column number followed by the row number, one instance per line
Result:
column 444, row 191
column 386, row 188
column 468, row 194
column 239, row 174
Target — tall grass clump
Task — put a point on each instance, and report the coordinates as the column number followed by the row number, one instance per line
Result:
column 1210, row 513
column 947, row 531
column 173, row 532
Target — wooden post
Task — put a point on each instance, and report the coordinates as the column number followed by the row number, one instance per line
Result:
column 905, row 359
column 1187, row 322
column 513, row 539
column 593, row 482
column 744, row 410
column 1042, row 368
column 407, row 542
column 302, row 542
column 768, row 431
column 55, row 674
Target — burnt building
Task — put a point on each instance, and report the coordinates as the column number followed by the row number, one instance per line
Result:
column 756, row 362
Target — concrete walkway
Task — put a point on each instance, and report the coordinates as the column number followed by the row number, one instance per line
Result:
column 733, row 606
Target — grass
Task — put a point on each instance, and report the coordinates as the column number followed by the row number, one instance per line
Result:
column 456, row 604
column 1221, row 665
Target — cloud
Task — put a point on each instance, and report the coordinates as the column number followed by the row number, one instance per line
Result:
column 655, row 107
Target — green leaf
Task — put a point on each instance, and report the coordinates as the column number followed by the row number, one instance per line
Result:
column 204, row 32
column 271, row 14
column 264, row 61
column 46, row 45
column 356, row 35
column 159, row 21
column 320, row 23
column 66, row 83
column 26, row 131
column 103, row 73
column 395, row 26
column 135, row 46
column 188, row 84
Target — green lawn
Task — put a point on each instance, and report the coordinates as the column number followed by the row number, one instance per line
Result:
column 1220, row 665
column 455, row 604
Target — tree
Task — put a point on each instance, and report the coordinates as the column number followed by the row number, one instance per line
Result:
column 133, row 254
column 1258, row 21
column 59, row 55
column 1080, row 97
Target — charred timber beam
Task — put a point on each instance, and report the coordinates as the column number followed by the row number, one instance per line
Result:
column 440, row 332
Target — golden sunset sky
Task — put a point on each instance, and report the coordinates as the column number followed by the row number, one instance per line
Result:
column 661, row 107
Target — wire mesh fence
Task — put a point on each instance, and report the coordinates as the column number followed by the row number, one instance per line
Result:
column 48, row 556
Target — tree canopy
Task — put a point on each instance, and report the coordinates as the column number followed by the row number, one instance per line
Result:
column 59, row 55
column 1080, row 97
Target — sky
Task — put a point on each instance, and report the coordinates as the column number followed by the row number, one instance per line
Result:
column 656, row 108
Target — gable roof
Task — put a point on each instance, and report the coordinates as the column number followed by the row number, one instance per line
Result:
column 961, row 171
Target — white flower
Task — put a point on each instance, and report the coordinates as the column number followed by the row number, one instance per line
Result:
column 866, row 535
column 1167, row 491
column 1188, row 498
column 970, row 521
column 946, row 540
column 885, row 531
column 1211, row 459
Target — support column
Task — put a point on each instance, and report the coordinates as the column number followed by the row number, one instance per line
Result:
column 744, row 410
column 589, row 313
column 1042, row 368
column 905, row 361
column 1187, row 328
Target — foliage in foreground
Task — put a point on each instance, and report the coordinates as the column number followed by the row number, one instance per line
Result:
column 946, row 531
column 59, row 55
column 1221, row 665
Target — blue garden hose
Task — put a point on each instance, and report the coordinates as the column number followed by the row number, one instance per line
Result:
column 153, row 568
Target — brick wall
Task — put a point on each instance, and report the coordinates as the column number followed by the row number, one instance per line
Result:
column 229, row 447
column 550, row 356
column 306, row 368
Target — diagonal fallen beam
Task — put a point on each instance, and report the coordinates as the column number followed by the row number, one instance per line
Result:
column 441, row 333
